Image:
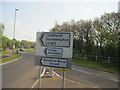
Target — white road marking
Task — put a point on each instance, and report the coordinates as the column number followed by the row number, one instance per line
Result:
column 68, row 79
column 38, row 79
column 80, row 70
column 71, row 80
column 90, row 73
column 113, row 79
column 47, row 72
column 56, row 74
column 60, row 77
column 43, row 72
column 11, row 61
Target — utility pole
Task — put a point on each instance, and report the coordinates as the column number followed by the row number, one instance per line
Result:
column 14, row 31
column 119, row 34
column 119, row 7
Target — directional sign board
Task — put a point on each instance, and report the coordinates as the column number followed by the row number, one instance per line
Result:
column 54, row 62
column 54, row 49
column 55, row 39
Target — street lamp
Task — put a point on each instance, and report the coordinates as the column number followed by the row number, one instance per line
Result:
column 14, row 31
column 119, row 7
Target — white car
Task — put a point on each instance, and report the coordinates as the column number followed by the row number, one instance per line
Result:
column 22, row 49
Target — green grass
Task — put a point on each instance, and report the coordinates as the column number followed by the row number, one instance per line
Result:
column 10, row 58
column 17, row 48
column 96, row 65
column 31, row 50
column 3, row 52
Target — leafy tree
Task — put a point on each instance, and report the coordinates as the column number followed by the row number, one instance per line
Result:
column 17, row 44
column 98, row 36
column 106, row 29
column 2, row 27
column 5, row 40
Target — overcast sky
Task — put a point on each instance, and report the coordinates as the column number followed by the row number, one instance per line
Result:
column 40, row 16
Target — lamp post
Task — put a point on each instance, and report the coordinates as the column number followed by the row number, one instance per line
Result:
column 119, row 36
column 119, row 7
column 14, row 31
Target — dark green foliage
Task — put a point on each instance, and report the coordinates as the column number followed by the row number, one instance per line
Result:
column 8, row 43
column 94, row 37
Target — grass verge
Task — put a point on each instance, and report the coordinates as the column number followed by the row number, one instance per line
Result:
column 10, row 58
column 31, row 50
column 3, row 52
column 96, row 65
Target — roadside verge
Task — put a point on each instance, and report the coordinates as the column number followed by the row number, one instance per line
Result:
column 10, row 59
column 107, row 67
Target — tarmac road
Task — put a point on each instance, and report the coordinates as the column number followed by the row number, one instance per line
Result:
column 23, row 74
column 91, row 77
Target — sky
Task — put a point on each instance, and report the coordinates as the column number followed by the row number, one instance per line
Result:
column 40, row 15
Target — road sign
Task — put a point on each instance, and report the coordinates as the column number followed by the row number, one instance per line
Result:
column 63, row 70
column 54, row 62
column 55, row 39
column 54, row 47
column 54, row 52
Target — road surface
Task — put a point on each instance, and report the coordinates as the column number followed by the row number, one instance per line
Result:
column 23, row 74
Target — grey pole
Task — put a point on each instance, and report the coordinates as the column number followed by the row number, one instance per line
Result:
column 14, row 31
column 119, row 7
column 63, row 82
column 39, row 77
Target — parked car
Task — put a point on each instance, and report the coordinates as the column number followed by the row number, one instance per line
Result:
column 22, row 49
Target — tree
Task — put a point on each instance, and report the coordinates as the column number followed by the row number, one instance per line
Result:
column 98, row 36
column 2, row 27
column 17, row 44
column 106, row 29
column 5, row 41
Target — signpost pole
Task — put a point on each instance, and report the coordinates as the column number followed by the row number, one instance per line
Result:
column 50, row 72
column 63, row 82
column 39, row 78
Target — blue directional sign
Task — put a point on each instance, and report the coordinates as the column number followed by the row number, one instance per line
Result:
column 50, row 51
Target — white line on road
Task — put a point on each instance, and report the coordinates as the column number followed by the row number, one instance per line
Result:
column 91, row 74
column 81, row 71
column 60, row 77
column 56, row 74
column 38, row 79
column 68, row 79
column 113, row 79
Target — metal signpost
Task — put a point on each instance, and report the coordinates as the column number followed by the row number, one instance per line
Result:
column 53, row 62
column 54, row 49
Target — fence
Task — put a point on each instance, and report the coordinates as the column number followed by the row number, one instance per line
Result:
column 98, row 58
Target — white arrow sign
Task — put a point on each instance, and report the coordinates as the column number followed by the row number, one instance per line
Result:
column 54, row 49
column 58, row 52
column 55, row 39
column 53, row 62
